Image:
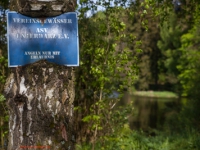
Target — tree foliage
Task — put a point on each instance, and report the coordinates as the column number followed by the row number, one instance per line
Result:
column 171, row 32
column 108, row 65
column 3, row 42
column 3, row 70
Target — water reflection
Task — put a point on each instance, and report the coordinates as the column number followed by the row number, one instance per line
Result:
column 152, row 113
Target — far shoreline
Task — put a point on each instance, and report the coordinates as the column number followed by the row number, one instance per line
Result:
column 155, row 94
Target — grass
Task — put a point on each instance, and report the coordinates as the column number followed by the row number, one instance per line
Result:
column 157, row 94
column 136, row 140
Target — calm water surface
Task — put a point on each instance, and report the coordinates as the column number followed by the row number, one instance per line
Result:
column 153, row 113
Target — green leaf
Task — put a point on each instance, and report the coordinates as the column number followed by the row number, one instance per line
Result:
column 2, row 98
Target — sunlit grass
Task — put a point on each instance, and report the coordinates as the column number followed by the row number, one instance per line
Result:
column 159, row 94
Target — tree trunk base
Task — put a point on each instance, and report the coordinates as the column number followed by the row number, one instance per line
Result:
column 40, row 99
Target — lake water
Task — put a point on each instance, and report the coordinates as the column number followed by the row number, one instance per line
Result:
column 153, row 113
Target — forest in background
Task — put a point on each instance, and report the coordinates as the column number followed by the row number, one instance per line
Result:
column 141, row 45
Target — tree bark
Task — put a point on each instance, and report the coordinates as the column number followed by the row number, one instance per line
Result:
column 40, row 99
column 42, row 8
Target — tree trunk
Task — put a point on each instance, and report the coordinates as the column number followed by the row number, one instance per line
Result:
column 42, row 8
column 40, row 99
column 40, row 96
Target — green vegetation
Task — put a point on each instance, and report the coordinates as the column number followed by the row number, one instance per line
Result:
column 156, row 94
column 136, row 140
column 3, row 72
column 165, row 49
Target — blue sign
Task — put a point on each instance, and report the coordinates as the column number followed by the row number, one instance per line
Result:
column 31, row 39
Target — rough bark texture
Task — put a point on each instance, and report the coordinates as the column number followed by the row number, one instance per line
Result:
column 40, row 100
column 42, row 8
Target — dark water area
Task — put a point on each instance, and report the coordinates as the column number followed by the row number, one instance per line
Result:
column 154, row 113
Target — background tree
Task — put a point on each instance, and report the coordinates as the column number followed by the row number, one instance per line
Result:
column 189, row 72
column 150, row 54
column 171, row 32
